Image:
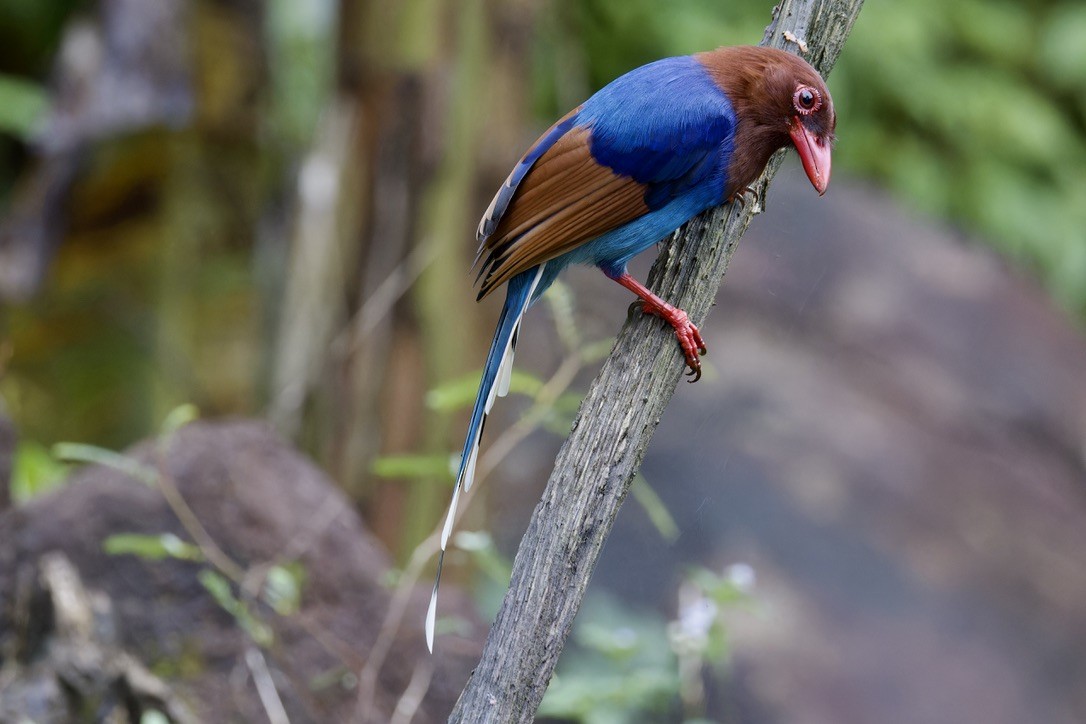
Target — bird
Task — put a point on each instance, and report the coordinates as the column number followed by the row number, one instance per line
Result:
column 630, row 165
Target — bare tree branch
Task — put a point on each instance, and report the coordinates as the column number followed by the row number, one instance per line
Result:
column 598, row 461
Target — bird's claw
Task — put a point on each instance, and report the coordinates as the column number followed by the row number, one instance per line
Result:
column 744, row 195
column 692, row 345
column 687, row 333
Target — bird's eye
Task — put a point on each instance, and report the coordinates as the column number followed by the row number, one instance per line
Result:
column 806, row 100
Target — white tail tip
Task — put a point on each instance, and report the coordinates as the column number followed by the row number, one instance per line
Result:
column 446, row 531
column 505, row 371
column 469, row 471
column 431, row 618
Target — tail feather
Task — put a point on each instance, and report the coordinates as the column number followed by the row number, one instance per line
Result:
column 505, row 374
column 497, row 373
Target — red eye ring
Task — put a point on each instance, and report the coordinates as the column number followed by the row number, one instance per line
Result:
column 806, row 100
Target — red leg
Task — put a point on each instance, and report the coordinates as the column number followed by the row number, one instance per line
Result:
column 688, row 335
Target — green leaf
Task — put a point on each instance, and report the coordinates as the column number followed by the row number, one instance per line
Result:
column 454, row 394
column 731, row 588
column 460, row 393
column 178, row 417
column 283, row 588
column 22, row 106
column 151, row 547
column 35, row 472
column 219, row 588
column 79, row 453
column 413, row 466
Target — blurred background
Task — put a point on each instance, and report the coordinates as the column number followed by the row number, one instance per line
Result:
column 873, row 508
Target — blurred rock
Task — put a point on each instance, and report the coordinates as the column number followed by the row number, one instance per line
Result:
column 262, row 504
column 66, row 665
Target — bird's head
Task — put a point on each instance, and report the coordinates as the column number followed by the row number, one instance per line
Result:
column 811, row 120
column 779, row 99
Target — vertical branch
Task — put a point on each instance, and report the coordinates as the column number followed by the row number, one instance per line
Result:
column 207, row 203
column 322, row 253
column 597, row 463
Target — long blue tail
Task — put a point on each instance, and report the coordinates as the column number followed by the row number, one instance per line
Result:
column 495, row 383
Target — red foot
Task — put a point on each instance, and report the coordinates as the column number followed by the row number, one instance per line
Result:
column 688, row 335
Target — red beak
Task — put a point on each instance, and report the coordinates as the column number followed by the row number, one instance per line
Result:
column 814, row 152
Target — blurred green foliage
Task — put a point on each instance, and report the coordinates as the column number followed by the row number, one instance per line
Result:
column 151, row 547
column 283, row 587
column 247, row 619
column 300, row 67
column 969, row 111
column 414, row 467
column 35, row 472
column 459, row 393
column 75, row 452
column 627, row 665
column 22, row 104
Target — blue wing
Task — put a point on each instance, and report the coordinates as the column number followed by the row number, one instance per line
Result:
column 665, row 125
column 648, row 138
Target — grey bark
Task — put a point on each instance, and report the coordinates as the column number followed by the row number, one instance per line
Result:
column 597, row 463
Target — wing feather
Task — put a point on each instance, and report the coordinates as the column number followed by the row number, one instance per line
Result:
column 566, row 199
column 648, row 137
column 589, row 214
